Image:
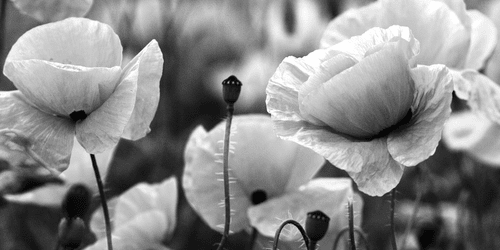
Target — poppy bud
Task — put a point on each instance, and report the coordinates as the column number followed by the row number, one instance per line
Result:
column 316, row 225
column 231, row 88
column 71, row 232
column 77, row 201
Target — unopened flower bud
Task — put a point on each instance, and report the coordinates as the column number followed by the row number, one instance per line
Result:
column 231, row 88
column 71, row 233
column 77, row 201
column 316, row 225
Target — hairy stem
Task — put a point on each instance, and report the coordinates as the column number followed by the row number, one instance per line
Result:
column 393, row 226
column 227, row 203
column 298, row 226
column 104, row 205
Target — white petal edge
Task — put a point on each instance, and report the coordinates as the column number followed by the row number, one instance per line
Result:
column 484, row 37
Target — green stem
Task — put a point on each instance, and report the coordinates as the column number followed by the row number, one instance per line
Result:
column 298, row 226
column 358, row 230
column 253, row 237
column 3, row 12
column 393, row 226
column 104, row 205
column 416, row 206
column 227, row 204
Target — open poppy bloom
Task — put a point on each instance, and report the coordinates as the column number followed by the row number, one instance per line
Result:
column 53, row 10
column 143, row 217
column 363, row 105
column 448, row 33
column 70, row 82
column 270, row 179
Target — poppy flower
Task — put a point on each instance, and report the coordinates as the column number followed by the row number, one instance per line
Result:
column 448, row 33
column 53, row 10
column 70, row 82
column 270, row 178
column 363, row 105
column 143, row 217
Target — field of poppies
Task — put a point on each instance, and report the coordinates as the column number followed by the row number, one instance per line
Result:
column 235, row 124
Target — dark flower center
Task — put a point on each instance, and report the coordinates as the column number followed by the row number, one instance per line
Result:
column 401, row 123
column 78, row 115
column 258, row 196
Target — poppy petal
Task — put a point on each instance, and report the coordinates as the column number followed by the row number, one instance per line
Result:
column 52, row 136
column 268, row 216
column 150, row 65
column 475, row 135
column 102, row 128
column 483, row 40
column 430, row 109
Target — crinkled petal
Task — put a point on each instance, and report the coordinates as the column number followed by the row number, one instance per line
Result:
column 143, row 198
column 51, row 136
column 102, row 129
column 203, row 185
column 484, row 95
column 475, row 135
column 53, row 10
column 73, row 41
column 430, row 109
column 144, row 231
column 442, row 35
column 462, row 84
column 61, row 89
column 484, row 37
column 150, row 64
column 328, row 195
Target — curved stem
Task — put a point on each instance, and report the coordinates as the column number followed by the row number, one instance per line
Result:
column 358, row 230
column 3, row 11
column 227, row 204
column 393, row 226
column 297, row 225
column 104, row 205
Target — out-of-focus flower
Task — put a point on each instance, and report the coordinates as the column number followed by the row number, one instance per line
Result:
column 448, row 33
column 79, row 171
column 53, row 10
column 143, row 217
column 271, row 179
column 70, row 82
column 363, row 105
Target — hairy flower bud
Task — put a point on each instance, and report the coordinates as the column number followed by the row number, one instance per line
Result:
column 231, row 88
column 76, row 202
column 316, row 225
column 71, row 233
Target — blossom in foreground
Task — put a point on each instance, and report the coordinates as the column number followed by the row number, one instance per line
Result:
column 143, row 217
column 448, row 33
column 70, row 82
column 53, row 10
column 271, row 179
column 363, row 105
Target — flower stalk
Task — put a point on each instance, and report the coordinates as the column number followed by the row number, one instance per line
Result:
column 352, row 241
column 104, row 205
column 298, row 226
column 231, row 88
column 393, row 226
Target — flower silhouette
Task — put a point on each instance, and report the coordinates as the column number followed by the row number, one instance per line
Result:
column 271, row 178
column 448, row 33
column 363, row 105
column 143, row 217
column 70, row 83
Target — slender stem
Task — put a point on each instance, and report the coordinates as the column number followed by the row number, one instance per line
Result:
column 253, row 237
column 227, row 204
column 103, row 201
column 358, row 230
column 393, row 226
column 351, row 225
column 3, row 12
column 297, row 225
column 416, row 206
column 312, row 245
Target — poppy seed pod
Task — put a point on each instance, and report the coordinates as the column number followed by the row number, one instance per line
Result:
column 316, row 225
column 71, row 232
column 231, row 88
column 76, row 202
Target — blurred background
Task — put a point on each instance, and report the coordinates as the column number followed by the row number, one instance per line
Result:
column 205, row 41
